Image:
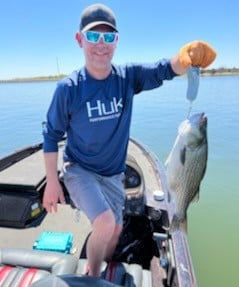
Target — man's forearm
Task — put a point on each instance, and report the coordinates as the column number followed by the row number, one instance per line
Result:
column 51, row 160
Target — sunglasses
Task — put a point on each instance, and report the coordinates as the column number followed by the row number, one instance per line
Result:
column 94, row 37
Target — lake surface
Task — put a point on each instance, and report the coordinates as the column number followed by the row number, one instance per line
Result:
column 213, row 221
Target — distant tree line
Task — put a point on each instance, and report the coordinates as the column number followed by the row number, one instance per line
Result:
column 220, row 71
column 34, row 79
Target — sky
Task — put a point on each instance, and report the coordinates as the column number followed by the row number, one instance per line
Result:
column 38, row 36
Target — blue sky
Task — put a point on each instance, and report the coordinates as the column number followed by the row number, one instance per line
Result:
column 37, row 36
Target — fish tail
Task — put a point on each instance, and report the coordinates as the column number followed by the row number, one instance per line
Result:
column 184, row 226
column 177, row 223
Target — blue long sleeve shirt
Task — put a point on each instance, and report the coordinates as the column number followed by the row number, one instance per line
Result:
column 96, row 114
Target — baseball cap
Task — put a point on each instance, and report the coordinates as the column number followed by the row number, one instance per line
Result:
column 97, row 14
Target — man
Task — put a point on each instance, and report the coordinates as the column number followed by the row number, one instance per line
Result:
column 93, row 107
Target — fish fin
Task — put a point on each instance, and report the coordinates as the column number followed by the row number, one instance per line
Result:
column 178, row 223
column 184, row 226
column 196, row 197
column 175, row 223
column 205, row 167
column 183, row 155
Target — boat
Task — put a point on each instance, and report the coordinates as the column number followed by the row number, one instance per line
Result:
column 148, row 253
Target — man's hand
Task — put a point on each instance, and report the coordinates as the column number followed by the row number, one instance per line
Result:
column 197, row 53
column 52, row 195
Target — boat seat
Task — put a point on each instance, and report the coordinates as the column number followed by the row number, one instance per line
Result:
column 113, row 275
column 73, row 280
column 23, row 267
column 122, row 274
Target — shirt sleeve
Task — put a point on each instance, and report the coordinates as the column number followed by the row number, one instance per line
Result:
column 150, row 76
column 57, row 118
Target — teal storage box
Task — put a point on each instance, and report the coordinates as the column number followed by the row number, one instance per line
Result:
column 54, row 241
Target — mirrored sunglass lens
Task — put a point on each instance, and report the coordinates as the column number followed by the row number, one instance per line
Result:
column 92, row 37
column 109, row 37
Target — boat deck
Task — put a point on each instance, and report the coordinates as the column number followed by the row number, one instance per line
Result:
column 62, row 221
column 65, row 219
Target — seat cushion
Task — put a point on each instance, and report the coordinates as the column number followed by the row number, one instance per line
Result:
column 73, row 281
column 82, row 266
column 16, row 276
column 21, row 267
column 128, row 274
column 120, row 273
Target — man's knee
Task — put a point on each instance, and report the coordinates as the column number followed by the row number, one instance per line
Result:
column 104, row 225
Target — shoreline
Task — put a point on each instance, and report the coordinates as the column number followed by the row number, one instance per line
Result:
column 57, row 78
column 34, row 79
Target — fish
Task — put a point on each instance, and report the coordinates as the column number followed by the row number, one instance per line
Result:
column 186, row 166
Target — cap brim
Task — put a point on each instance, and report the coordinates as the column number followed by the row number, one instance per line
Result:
column 93, row 24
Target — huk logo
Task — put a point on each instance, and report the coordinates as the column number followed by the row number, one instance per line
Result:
column 102, row 111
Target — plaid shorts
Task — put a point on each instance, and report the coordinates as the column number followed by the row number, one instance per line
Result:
column 93, row 193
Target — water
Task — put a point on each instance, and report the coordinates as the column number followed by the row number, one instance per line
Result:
column 213, row 221
column 22, row 110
